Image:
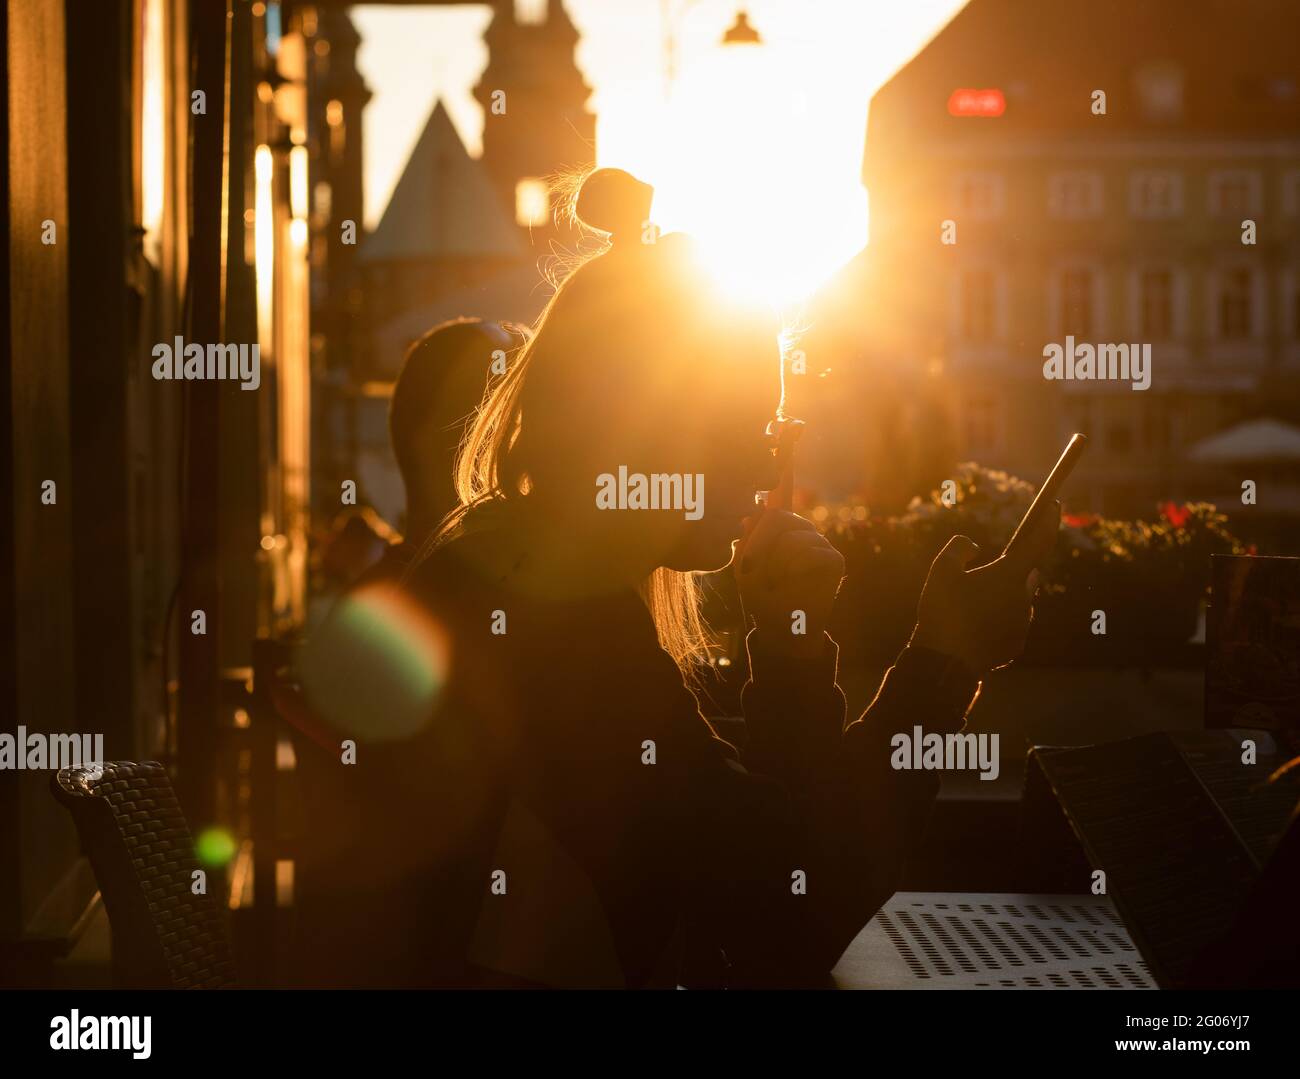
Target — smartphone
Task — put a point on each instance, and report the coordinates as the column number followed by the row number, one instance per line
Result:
column 1048, row 492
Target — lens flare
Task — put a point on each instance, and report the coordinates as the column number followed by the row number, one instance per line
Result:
column 377, row 666
column 215, row 847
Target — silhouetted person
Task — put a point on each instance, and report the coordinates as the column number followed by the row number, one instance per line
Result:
column 441, row 384
column 542, row 795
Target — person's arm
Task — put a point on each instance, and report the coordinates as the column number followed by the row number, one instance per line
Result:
column 819, row 823
column 826, row 822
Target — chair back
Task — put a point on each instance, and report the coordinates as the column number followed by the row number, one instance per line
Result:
column 139, row 845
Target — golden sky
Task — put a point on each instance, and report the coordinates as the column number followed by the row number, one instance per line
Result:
column 794, row 110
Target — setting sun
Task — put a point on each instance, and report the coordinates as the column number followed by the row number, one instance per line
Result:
column 754, row 149
column 759, row 163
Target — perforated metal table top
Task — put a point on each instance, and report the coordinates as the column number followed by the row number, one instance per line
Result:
column 970, row 940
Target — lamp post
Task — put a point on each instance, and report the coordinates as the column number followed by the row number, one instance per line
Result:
column 741, row 32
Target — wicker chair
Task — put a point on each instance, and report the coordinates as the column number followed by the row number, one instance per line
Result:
column 139, row 845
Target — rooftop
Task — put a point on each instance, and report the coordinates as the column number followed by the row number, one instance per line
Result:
column 1167, row 66
column 443, row 205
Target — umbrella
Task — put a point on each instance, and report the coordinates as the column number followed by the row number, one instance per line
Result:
column 1253, row 442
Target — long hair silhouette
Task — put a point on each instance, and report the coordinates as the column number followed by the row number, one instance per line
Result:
column 635, row 347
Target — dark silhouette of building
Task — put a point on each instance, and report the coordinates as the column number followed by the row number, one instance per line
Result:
column 147, row 186
column 534, row 99
column 442, row 233
column 336, row 97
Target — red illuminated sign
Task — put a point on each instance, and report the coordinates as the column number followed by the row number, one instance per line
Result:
column 977, row 103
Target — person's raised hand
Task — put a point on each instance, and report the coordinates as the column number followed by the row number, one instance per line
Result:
column 981, row 616
column 783, row 565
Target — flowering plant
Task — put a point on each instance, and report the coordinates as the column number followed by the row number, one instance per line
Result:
column 1173, row 549
column 1148, row 576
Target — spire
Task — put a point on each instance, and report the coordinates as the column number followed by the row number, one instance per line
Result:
column 443, row 205
column 546, row 125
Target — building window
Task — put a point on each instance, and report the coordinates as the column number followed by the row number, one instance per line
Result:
column 1233, row 193
column 531, row 12
column 1156, row 305
column 977, row 305
column 1235, row 304
column 1156, row 194
column 337, row 131
column 981, row 424
column 978, row 195
column 532, row 202
column 322, row 199
column 1076, row 302
column 1074, row 195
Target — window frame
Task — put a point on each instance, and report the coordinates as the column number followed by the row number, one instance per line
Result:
column 1057, row 189
column 1146, row 212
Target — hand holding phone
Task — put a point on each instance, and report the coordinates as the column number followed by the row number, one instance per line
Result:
column 980, row 614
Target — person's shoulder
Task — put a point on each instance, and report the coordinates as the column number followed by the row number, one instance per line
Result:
column 449, row 568
column 392, row 564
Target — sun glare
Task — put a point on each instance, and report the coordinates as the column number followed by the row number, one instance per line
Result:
column 765, row 179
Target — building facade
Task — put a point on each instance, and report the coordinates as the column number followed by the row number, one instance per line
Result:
column 1108, row 173
column 154, row 527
